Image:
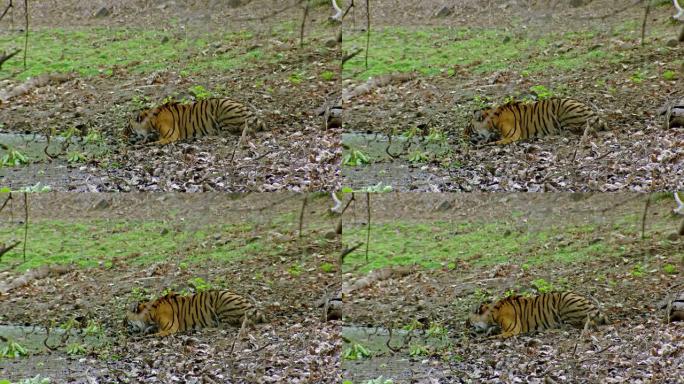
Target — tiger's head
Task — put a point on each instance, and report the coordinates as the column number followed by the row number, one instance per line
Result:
column 482, row 318
column 141, row 128
column 481, row 128
column 139, row 318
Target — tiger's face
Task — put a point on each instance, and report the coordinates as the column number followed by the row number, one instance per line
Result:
column 139, row 319
column 482, row 319
column 481, row 130
column 140, row 128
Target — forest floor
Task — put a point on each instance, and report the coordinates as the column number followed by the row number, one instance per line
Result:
column 96, row 73
column 128, row 247
column 441, row 255
column 480, row 54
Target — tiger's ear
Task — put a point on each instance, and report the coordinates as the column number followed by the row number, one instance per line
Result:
column 479, row 115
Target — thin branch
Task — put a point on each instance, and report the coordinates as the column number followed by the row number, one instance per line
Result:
column 9, row 197
column 368, row 31
column 26, row 36
column 643, row 217
column 301, row 30
column 301, row 214
column 643, row 23
column 348, row 57
column 368, row 229
column 6, row 9
column 5, row 249
column 8, row 56
column 26, row 218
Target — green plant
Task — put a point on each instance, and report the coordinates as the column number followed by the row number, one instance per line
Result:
column 356, row 352
column 76, row 157
column 93, row 328
column 418, row 157
column 541, row 91
column 637, row 77
column 140, row 101
column 199, row 284
column 638, row 270
column 199, row 92
column 328, row 75
column 481, row 102
column 379, row 380
column 69, row 324
column 355, row 158
column 670, row 269
column 418, row 350
column 413, row 325
column 670, row 75
column 13, row 349
column 74, row 349
column 436, row 330
column 139, row 294
column 34, row 380
column 37, row 188
column 93, row 137
column 296, row 78
column 542, row 286
column 295, row 270
column 13, row 158
column 327, row 268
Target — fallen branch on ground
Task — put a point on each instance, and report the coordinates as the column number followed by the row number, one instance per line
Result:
column 35, row 274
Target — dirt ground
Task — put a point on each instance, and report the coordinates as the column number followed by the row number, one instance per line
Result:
column 293, row 346
column 296, row 153
column 636, row 346
column 636, row 154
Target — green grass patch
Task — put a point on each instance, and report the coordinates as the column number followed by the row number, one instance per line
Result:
column 95, row 50
column 435, row 50
column 441, row 244
column 89, row 243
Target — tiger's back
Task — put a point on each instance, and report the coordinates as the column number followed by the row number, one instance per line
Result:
column 173, row 313
column 518, row 314
column 519, row 121
column 172, row 121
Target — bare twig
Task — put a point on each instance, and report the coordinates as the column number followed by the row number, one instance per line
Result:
column 368, row 228
column 239, row 142
column 643, row 23
column 6, row 9
column 643, row 217
column 9, row 197
column 301, row 30
column 4, row 57
column 368, row 30
column 26, row 36
column 348, row 251
column 4, row 249
column 26, row 218
column 348, row 56
column 301, row 214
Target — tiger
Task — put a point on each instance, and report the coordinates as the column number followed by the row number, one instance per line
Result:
column 515, row 121
column 173, row 121
column 173, row 313
column 517, row 314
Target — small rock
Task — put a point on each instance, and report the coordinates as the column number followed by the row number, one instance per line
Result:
column 445, row 11
column 672, row 43
column 103, row 12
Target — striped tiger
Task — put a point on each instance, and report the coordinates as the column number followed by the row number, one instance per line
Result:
column 517, row 314
column 173, row 313
column 173, row 121
column 519, row 121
